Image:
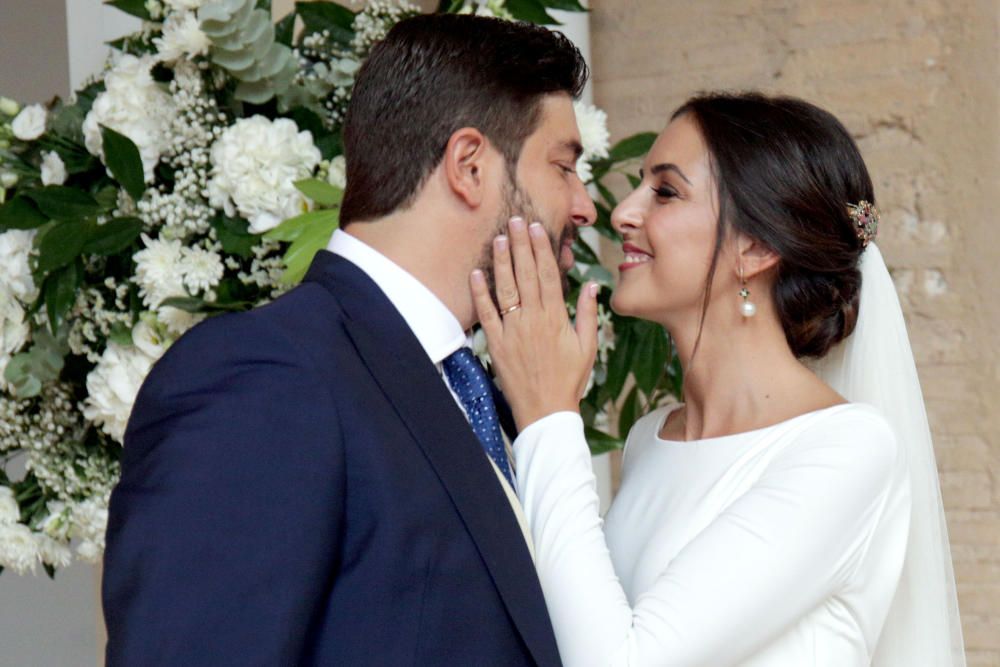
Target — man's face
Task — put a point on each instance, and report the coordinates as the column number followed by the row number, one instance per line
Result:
column 545, row 187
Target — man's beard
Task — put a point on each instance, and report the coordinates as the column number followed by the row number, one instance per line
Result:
column 517, row 202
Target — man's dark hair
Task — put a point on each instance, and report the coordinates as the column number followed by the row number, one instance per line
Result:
column 437, row 73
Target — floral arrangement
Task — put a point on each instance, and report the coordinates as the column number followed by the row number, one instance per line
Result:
column 198, row 174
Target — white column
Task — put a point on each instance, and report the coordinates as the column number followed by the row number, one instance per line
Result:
column 90, row 24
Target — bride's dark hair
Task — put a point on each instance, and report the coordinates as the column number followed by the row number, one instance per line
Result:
column 785, row 171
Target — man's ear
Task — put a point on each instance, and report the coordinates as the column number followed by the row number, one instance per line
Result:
column 754, row 257
column 465, row 165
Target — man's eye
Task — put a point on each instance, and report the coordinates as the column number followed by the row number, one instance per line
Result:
column 568, row 169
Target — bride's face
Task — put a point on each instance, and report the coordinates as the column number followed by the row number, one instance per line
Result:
column 668, row 228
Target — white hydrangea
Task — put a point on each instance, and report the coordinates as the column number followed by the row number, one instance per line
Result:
column 10, row 513
column 134, row 105
column 15, row 271
column 113, row 385
column 594, row 136
column 337, row 174
column 202, row 269
column 182, row 36
column 255, row 163
column 53, row 169
column 14, row 330
column 29, row 124
column 90, row 519
column 18, row 550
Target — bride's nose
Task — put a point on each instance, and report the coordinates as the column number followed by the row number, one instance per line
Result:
column 627, row 216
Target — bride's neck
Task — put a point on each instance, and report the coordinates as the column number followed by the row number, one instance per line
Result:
column 742, row 376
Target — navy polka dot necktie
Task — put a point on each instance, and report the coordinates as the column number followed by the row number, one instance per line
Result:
column 468, row 379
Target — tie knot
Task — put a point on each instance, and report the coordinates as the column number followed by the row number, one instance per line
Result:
column 467, row 376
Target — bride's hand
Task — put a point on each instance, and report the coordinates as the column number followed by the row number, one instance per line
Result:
column 542, row 360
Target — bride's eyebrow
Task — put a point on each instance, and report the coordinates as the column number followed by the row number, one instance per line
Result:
column 665, row 166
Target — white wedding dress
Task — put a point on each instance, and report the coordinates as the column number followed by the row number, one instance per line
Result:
column 782, row 546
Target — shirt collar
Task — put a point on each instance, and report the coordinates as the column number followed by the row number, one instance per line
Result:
column 436, row 328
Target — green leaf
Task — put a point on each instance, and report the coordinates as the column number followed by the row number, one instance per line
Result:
column 320, row 192
column 620, row 358
column 192, row 304
column 121, row 334
column 601, row 442
column 313, row 238
column 284, row 30
column 565, row 5
column 20, row 213
column 632, row 147
column 234, row 236
column 112, row 236
column 532, row 11
column 653, row 350
column 629, row 413
column 122, row 158
column 61, row 244
column 320, row 16
column 291, row 229
column 609, row 198
column 28, row 371
column 133, row 7
column 64, row 203
column 49, row 570
column 59, row 293
column 633, row 180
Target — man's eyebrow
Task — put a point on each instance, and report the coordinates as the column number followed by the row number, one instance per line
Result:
column 666, row 166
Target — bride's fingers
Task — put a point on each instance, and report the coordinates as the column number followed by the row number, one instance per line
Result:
column 586, row 319
column 503, row 274
column 489, row 318
column 524, row 263
column 549, row 277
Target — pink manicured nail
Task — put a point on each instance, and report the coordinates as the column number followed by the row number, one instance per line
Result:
column 516, row 224
column 594, row 289
column 477, row 277
column 500, row 242
column 536, row 229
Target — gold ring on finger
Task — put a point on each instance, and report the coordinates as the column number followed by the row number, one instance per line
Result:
column 511, row 309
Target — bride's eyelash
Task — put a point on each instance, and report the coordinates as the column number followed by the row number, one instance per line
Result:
column 664, row 192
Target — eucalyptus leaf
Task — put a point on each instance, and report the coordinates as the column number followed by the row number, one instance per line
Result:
column 123, row 160
column 320, row 192
column 64, row 203
column 21, row 213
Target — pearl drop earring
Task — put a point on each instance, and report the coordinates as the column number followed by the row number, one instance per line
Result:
column 748, row 308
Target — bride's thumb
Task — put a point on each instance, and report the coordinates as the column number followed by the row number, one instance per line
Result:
column 586, row 318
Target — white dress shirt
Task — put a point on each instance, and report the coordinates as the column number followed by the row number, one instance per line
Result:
column 436, row 328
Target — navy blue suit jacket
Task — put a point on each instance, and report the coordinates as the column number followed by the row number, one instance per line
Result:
column 299, row 488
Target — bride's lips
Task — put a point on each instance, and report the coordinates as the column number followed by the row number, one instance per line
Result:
column 634, row 256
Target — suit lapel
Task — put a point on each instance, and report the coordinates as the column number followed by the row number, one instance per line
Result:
column 419, row 396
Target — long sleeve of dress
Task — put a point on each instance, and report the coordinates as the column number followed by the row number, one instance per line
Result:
column 772, row 555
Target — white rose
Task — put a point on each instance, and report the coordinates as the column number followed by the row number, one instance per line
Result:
column 30, row 123
column 146, row 337
column 182, row 36
column 337, row 175
column 52, row 552
column 113, row 385
column 53, row 169
column 8, row 107
column 10, row 512
column 18, row 550
column 255, row 163
column 15, row 271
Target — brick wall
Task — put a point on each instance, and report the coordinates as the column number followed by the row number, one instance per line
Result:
column 918, row 84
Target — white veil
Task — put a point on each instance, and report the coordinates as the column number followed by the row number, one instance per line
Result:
column 875, row 365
